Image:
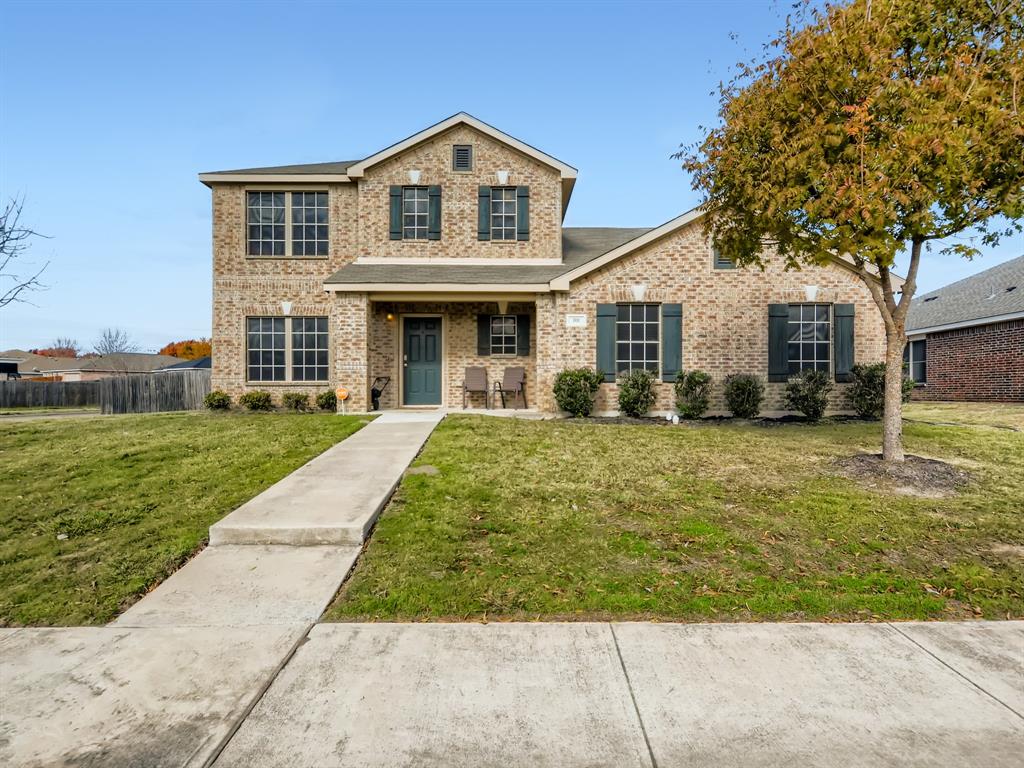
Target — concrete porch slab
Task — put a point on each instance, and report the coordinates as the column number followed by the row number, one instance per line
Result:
column 114, row 697
column 808, row 695
column 335, row 498
column 448, row 695
column 233, row 586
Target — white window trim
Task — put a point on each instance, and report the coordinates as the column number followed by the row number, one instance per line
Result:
column 288, row 250
column 831, row 330
column 911, row 361
column 515, row 213
column 514, row 335
column 418, row 188
column 658, row 342
column 288, row 349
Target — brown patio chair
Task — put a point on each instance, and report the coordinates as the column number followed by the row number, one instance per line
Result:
column 476, row 381
column 512, row 383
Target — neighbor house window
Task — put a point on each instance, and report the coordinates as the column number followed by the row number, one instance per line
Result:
column 503, row 334
column 286, row 348
column 414, row 213
column 637, row 329
column 809, row 337
column 503, row 213
column 915, row 358
column 267, row 234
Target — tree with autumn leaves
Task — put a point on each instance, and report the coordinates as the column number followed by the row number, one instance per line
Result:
column 871, row 128
column 190, row 349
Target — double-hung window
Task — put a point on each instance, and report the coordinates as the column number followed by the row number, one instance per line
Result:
column 810, row 337
column 637, row 336
column 503, row 213
column 915, row 358
column 268, row 215
column 414, row 213
column 286, row 349
column 503, row 334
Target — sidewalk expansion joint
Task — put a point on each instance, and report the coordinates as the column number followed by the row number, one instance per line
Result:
column 632, row 696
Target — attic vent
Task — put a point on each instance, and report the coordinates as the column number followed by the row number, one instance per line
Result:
column 462, row 157
column 931, row 298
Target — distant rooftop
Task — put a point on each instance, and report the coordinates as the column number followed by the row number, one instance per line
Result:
column 996, row 292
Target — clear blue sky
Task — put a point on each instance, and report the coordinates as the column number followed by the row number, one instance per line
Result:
column 108, row 112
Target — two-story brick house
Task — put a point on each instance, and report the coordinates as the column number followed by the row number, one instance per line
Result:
column 447, row 250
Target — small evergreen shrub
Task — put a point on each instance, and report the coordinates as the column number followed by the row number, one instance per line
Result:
column 693, row 393
column 807, row 392
column 743, row 395
column 575, row 389
column 217, row 400
column 257, row 400
column 866, row 393
column 636, row 392
column 327, row 401
column 295, row 401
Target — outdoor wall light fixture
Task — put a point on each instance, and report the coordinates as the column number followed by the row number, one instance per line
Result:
column 390, row 316
column 811, row 292
column 414, row 177
column 502, row 177
column 639, row 291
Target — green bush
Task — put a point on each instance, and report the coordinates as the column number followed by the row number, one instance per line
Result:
column 295, row 401
column 807, row 392
column 866, row 393
column 575, row 389
column 257, row 400
column 327, row 401
column 743, row 395
column 217, row 400
column 636, row 392
column 693, row 393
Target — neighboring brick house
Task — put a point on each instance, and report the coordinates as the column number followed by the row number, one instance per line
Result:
column 966, row 341
column 447, row 250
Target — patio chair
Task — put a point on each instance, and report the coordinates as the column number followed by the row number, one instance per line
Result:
column 512, row 383
column 476, row 381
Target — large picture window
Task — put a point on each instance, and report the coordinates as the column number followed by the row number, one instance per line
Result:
column 414, row 213
column 503, row 213
column 286, row 349
column 267, row 233
column 810, row 335
column 503, row 334
column 915, row 358
column 637, row 337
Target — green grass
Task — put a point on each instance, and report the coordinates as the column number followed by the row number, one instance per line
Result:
column 1000, row 415
column 562, row 520
column 97, row 511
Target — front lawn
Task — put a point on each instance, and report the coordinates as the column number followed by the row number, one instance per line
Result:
column 719, row 522
column 97, row 511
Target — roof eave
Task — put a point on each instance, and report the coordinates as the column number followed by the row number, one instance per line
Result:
column 209, row 179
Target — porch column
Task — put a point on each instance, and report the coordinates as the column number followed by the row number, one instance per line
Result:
column 549, row 351
column 351, row 348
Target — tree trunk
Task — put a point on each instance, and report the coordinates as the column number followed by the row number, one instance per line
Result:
column 892, row 420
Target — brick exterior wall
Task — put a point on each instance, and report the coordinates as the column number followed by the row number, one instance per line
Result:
column 725, row 315
column 984, row 363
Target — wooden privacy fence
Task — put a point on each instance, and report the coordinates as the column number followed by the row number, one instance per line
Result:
column 175, row 391
column 25, row 393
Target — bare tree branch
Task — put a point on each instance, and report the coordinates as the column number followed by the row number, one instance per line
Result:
column 15, row 240
column 113, row 341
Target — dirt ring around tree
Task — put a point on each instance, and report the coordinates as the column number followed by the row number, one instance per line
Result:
column 917, row 476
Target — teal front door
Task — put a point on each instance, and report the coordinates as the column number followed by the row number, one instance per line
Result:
column 421, row 356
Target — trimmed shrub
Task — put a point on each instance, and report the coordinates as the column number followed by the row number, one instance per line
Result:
column 743, row 395
column 217, row 400
column 693, row 393
column 807, row 392
column 575, row 389
column 295, row 401
column 636, row 392
column 257, row 400
column 866, row 393
column 327, row 401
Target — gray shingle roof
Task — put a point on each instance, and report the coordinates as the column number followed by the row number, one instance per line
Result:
column 994, row 292
column 340, row 166
column 579, row 245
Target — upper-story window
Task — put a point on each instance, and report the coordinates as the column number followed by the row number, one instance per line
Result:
column 267, row 233
column 809, row 337
column 414, row 213
column 503, row 213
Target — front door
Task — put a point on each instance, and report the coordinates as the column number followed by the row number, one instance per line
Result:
column 421, row 356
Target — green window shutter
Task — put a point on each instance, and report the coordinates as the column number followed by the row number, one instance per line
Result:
column 522, row 213
column 483, row 335
column 778, row 342
column 522, row 335
column 433, row 213
column 606, row 340
column 843, row 343
column 671, row 341
column 483, row 220
column 396, row 213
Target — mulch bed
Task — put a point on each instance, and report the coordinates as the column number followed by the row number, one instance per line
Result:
column 917, row 476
